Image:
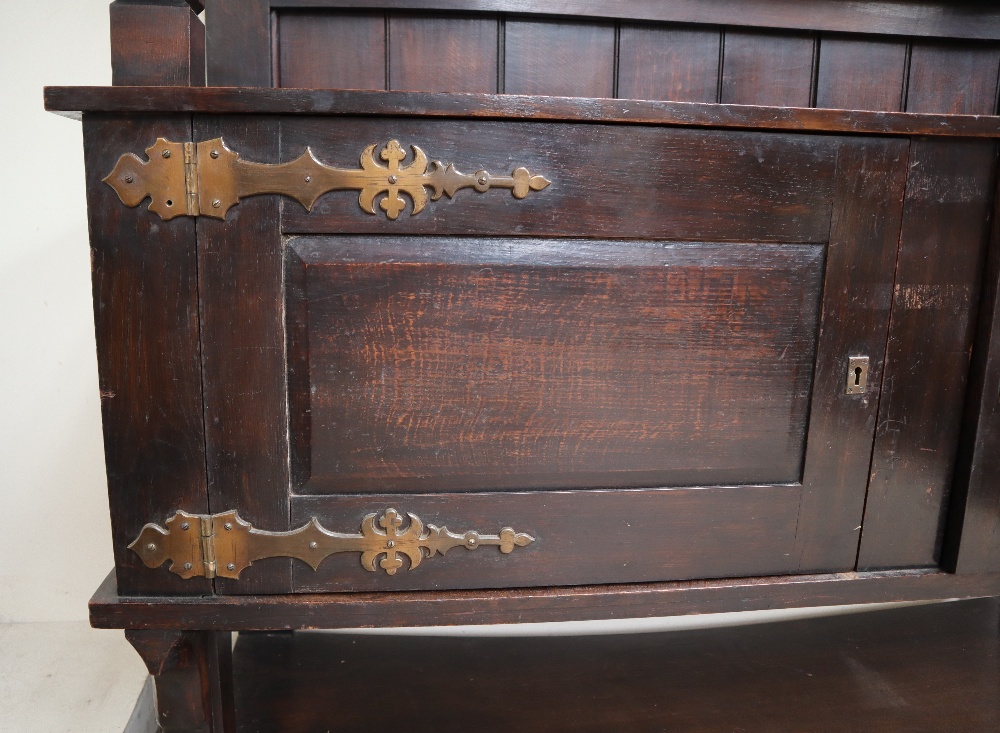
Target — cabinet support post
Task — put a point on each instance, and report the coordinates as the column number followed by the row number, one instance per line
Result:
column 192, row 678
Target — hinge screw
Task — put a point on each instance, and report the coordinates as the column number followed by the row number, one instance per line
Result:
column 231, row 566
column 129, row 179
column 151, row 547
column 227, row 525
column 185, row 526
column 482, row 180
column 216, row 204
column 165, row 153
column 188, row 566
column 390, row 543
column 393, row 179
column 313, row 545
column 309, row 179
column 214, row 153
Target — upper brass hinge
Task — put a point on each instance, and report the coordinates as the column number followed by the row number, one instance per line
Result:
column 208, row 179
column 223, row 545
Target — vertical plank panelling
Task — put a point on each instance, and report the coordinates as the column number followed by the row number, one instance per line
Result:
column 559, row 59
column 328, row 50
column 767, row 68
column 861, row 73
column 953, row 79
column 435, row 54
column 675, row 64
column 949, row 197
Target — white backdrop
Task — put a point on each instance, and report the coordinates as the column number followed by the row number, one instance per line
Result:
column 55, row 537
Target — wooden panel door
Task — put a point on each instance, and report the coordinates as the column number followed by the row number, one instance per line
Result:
column 643, row 366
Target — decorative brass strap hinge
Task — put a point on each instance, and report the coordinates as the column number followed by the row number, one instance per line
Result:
column 223, row 545
column 208, row 179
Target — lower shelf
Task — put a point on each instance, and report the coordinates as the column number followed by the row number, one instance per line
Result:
column 932, row 668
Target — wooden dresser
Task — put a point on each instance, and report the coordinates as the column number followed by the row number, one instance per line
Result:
column 631, row 308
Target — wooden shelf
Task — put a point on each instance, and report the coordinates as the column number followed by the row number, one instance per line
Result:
column 923, row 668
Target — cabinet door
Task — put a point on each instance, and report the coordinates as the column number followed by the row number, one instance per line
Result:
column 643, row 366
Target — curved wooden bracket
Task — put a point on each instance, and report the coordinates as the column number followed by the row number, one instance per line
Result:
column 208, row 179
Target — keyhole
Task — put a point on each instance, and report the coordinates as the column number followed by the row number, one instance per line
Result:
column 857, row 376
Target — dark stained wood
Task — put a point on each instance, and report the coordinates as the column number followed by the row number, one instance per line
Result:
column 581, row 537
column 240, row 279
column 677, row 64
column 962, row 19
column 238, row 36
column 145, row 284
column 972, row 542
column 520, row 363
column 192, row 676
column 331, row 50
column 630, row 182
column 150, row 100
column 564, row 59
column 156, row 43
column 949, row 198
column 443, row 54
column 861, row 73
column 861, row 257
column 931, row 668
column 527, row 605
column 768, row 68
column 953, row 79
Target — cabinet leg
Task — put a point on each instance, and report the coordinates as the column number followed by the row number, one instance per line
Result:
column 192, row 678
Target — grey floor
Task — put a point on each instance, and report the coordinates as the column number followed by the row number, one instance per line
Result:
column 66, row 678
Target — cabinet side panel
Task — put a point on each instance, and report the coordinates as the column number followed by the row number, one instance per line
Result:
column 145, row 279
column 972, row 541
column 245, row 406
column 949, row 196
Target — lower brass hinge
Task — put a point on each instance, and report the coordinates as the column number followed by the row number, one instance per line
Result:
column 223, row 545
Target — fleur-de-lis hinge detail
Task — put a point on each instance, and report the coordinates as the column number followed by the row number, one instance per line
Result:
column 223, row 545
column 208, row 179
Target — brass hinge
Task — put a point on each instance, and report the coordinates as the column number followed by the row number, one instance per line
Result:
column 223, row 545
column 208, row 179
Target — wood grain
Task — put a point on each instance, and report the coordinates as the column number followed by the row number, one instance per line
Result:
column 238, row 39
column 331, row 50
column 931, row 668
column 585, row 53
column 611, row 181
column 677, row 64
column 962, row 19
column 108, row 610
column 149, row 100
column 861, row 73
column 246, row 431
column 953, row 79
column 145, row 285
column 767, row 68
column 972, row 541
column 156, row 44
column 517, row 364
column 949, row 198
column 443, row 54
column 861, row 258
